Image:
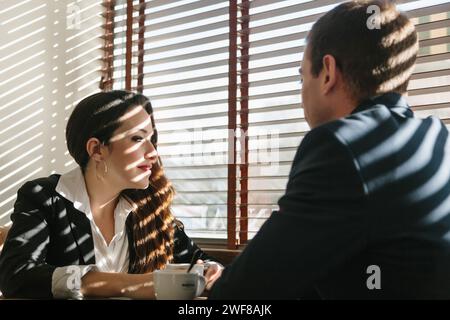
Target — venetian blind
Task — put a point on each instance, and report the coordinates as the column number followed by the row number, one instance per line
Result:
column 218, row 71
column 277, row 32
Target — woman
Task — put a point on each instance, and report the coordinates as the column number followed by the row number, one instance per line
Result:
column 102, row 228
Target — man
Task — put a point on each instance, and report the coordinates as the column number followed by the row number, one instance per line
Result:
column 366, row 213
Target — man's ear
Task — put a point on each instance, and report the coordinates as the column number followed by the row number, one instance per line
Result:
column 95, row 149
column 329, row 76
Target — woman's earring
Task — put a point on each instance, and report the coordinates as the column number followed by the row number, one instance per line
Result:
column 106, row 169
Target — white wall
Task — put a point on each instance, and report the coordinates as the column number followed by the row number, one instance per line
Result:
column 49, row 60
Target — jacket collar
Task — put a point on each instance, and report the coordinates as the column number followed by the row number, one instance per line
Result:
column 392, row 100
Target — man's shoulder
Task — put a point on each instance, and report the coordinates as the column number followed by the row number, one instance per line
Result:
column 349, row 137
column 344, row 132
column 378, row 124
column 358, row 126
column 382, row 139
column 321, row 148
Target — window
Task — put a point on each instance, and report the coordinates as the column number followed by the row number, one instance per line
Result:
column 219, row 72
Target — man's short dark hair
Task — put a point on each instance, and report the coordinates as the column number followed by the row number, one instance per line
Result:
column 374, row 44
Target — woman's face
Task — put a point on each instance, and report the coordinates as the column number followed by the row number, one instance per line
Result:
column 131, row 154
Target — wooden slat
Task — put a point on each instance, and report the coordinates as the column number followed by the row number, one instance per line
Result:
column 189, row 19
column 428, row 10
column 431, row 106
column 140, row 67
column 244, row 87
column 232, row 94
column 424, row 58
column 430, row 74
column 428, row 26
column 188, row 80
column 436, row 89
column 129, row 47
column 188, row 44
column 190, row 92
column 106, row 81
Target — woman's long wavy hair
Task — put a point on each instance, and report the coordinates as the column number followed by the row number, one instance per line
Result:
column 152, row 222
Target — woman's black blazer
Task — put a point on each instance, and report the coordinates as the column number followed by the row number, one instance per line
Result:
column 48, row 232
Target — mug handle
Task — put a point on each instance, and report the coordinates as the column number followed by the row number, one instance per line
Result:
column 201, row 283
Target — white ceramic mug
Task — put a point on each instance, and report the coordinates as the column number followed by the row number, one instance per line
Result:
column 176, row 285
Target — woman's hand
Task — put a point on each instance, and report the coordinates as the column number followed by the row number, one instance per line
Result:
column 212, row 273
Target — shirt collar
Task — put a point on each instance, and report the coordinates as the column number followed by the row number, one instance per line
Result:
column 72, row 186
column 392, row 100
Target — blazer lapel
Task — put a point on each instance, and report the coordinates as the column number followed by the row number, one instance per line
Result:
column 81, row 230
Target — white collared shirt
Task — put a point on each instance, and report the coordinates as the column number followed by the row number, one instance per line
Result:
column 112, row 257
